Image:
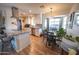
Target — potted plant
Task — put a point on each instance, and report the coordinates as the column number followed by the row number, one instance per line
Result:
column 69, row 37
column 77, row 39
column 61, row 33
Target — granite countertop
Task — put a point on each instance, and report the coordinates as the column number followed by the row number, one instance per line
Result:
column 17, row 33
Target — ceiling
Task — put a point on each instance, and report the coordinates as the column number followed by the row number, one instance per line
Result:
column 35, row 7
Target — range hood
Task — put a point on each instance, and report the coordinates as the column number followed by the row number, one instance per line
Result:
column 14, row 12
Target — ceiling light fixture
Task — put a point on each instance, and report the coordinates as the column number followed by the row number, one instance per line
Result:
column 51, row 11
column 42, row 6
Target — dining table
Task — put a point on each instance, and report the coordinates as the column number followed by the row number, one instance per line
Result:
column 52, row 36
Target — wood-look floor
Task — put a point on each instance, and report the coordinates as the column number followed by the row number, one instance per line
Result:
column 38, row 47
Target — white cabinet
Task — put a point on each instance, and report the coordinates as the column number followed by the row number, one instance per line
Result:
column 21, row 41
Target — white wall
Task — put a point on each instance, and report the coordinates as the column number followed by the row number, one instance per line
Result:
column 75, row 30
column 38, row 19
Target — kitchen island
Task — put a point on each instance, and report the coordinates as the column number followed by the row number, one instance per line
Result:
column 36, row 31
column 21, row 39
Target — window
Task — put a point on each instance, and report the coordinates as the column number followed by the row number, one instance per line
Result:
column 54, row 23
column 45, row 23
column 77, row 20
column 64, row 22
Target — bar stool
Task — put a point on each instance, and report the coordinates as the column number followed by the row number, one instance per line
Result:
column 7, row 46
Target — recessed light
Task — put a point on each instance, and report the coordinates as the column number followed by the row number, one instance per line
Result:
column 30, row 11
